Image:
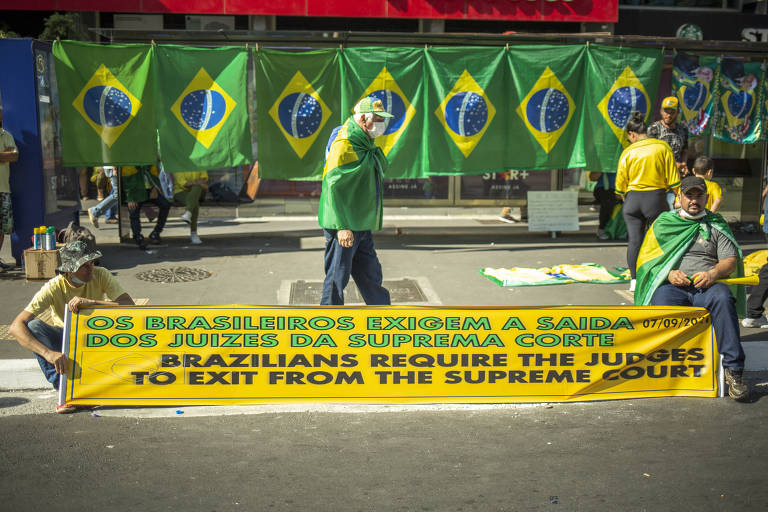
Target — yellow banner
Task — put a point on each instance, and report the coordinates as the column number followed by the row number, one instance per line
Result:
column 176, row 355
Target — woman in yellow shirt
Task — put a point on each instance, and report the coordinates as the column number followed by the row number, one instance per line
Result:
column 646, row 171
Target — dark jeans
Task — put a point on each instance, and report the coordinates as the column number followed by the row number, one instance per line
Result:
column 359, row 261
column 640, row 210
column 607, row 200
column 722, row 308
column 51, row 337
column 758, row 294
column 164, row 206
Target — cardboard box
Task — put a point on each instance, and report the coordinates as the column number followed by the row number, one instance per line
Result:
column 40, row 264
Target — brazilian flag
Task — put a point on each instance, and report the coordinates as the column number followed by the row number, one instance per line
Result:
column 621, row 81
column 107, row 104
column 396, row 77
column 737, row 101
column 203, row 109
column 297, row 106
column 665, row 244
column 465, row 133
column 544, row 104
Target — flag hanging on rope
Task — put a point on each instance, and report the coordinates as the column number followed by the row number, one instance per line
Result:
column 297, row 105
column 693, row 80
column 396, row 77
column 543, row 105
column 107, row 105
column 464, row 134
column 736, row 116
column 621, row 81
column 202, row 107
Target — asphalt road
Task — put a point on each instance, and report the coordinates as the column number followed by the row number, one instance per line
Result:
column 652, row 454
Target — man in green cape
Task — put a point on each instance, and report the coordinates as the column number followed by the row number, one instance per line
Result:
column 351, row 205
column 683, row 255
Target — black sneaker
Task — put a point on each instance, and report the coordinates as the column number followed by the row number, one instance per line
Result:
column 141, row 242
column 737, row 388
column 154, row 238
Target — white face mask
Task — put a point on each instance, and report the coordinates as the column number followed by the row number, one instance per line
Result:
column 378, row 129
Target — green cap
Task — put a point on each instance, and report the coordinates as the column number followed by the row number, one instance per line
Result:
column 370, row 105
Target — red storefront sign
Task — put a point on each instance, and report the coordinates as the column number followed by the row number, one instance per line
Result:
column 518, row 10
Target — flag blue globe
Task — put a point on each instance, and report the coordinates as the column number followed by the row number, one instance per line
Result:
column 694, row 96
column 203, row 109
column 466, row 113
column 623, row 102
column 547, row 110
column 393, row 104
column 739, row 104
column 107, row 106
column 300, row 114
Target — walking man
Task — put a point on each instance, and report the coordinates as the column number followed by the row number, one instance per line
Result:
column 351, row 205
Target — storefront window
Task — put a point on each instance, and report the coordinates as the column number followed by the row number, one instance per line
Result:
column 510, row 184
column 435, row 187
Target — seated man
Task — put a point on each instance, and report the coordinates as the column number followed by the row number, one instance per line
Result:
column 141, row 185
column 80, row 284
column 683, row 254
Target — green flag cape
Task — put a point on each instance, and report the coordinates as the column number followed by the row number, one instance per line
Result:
column 664, row 245
column 107, row 104
column 352, row 188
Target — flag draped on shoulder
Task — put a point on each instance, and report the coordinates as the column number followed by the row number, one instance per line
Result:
column 665, row 244
column 107, row 104
column 203, row 120
column 351, row 196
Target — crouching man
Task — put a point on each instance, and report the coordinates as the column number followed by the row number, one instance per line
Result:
column 80, row 284
column 683, row 254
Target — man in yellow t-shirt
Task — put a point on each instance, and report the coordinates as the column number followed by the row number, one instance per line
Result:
column 189, row 188
column 80, row 285
column 704, row 167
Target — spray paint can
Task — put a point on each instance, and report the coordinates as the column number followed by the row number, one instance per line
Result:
column 37, row 239
column 50, row 238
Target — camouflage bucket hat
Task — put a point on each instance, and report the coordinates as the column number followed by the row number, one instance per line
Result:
column 74, row 255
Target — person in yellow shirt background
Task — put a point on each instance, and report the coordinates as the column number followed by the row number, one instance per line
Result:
column 704, row 167
column 646, row 171
column 189, row 189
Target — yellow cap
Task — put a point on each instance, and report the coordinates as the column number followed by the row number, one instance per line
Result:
column 670, row 102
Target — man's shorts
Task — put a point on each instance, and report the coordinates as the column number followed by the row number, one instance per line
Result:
column 6, row 213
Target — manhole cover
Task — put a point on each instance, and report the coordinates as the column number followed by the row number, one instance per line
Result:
column 401, row 291
column 174, row 275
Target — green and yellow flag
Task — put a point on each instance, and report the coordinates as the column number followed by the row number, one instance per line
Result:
column 107, row 105
column 297, row 105
column 694, row 82
column 464, row 134
column 352, row 181
column 543, row 105
column 736, row 116
column 396, row 77
column 621, row 81
column 665, row 244
column 203, row 109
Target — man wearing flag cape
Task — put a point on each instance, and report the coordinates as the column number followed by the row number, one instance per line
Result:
column 351, row 205
column 683, row 255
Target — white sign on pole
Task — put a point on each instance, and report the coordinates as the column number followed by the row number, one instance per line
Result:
column 553, row 211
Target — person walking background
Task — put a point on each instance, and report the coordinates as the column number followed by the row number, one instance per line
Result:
column 646, row 171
